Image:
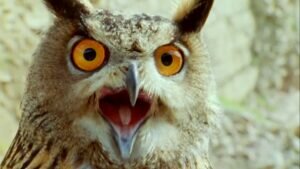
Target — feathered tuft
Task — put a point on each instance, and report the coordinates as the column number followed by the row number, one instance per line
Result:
column 192, row 14
column 69, row 9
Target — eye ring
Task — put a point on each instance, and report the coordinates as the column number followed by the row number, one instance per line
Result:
column 89, row 55
column 169, row 59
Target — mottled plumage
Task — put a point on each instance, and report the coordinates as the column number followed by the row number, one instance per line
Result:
column 64, row 123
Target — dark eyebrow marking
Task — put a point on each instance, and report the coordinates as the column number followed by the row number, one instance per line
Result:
column 136, row 47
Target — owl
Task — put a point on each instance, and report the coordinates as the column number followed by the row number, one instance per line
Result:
column 108, row 90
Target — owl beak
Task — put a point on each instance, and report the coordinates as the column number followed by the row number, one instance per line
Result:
column 126, row 110
column 124, row 119
column 125, row 142
column 132, row 82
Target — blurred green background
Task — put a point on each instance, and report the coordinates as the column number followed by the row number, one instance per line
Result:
column 254, row 46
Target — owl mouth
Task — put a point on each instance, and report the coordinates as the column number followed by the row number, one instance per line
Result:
column 116, row 107
column 124, row 118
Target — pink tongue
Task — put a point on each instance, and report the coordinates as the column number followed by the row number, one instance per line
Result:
column 118, row 110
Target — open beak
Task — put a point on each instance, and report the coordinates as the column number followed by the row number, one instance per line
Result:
column 126, row 139
column 125, row 110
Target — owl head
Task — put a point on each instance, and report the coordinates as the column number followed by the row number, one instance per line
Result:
column 138, row 86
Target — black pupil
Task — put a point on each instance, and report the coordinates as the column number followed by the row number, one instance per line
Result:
column 89, row 54
column 166, row 59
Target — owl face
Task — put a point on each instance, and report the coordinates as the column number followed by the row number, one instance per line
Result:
column 136, row 84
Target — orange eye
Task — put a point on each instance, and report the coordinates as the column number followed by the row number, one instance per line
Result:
column 169, row 60
column 88, row 55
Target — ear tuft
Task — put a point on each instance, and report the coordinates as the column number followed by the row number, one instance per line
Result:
column 69, row 9
column 192, row 15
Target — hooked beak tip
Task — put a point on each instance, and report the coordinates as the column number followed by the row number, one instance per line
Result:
column 132, row 83
column 133, row 101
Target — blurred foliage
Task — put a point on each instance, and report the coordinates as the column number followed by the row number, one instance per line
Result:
column 276, row 45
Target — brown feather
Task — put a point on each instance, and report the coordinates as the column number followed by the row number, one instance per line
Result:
column 192, row 15
column 68, row 9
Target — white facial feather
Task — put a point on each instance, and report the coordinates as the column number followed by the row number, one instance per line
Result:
column 97, row 129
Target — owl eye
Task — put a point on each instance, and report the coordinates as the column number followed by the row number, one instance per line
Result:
column 89, row 55
column 169, row 60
